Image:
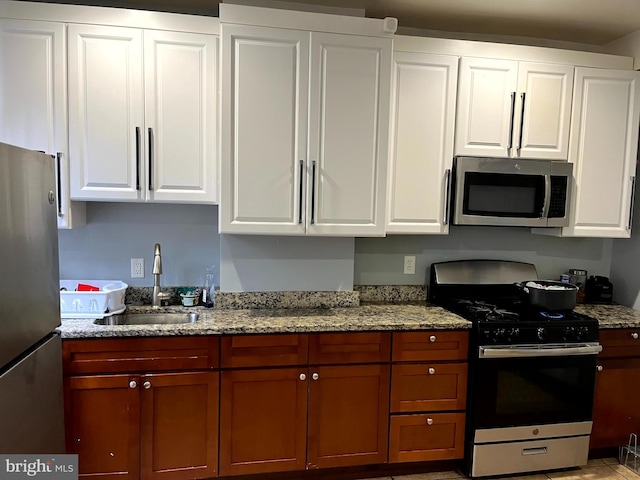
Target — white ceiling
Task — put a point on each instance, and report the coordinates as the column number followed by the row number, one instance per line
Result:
column 594, row 22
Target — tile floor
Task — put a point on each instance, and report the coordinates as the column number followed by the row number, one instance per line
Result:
column 600, row 469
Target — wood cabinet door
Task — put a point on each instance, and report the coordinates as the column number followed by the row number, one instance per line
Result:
column 102, row 417
column 603, row 148
column 348, row 134
column 179, row 426
column 423, row 102
column 348, row 415
column 615, row 409
column 265, row 74
column 263, row 420
column 486, row 107
column 180, row 116
column 106, row 113
column 543, row 113
column 428, row 387
column 33, row 109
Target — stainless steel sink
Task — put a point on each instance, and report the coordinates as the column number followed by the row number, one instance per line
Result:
column 149, row 319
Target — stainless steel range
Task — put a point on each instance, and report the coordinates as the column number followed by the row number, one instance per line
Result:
column 531, row 372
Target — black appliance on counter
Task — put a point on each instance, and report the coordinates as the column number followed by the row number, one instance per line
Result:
column 598, row 290
column 531, row 372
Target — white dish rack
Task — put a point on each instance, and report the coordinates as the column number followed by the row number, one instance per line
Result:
column 109, row 300
column 629, row 455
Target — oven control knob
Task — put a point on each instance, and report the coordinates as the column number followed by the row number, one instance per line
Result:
column 571, row 333
column 499, row 335
column 541, row 333
column 513, row 334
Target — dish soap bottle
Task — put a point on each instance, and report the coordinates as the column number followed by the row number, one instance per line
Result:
column 206, row 297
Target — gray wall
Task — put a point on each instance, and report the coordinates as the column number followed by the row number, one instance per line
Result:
column 380, row 260
column 625, row 266
column 117, row 232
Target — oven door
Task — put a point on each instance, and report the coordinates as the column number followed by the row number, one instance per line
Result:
column 490, row 191
column 534, row 385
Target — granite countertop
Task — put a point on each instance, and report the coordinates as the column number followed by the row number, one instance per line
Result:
column 611, row 316
column 371, row 317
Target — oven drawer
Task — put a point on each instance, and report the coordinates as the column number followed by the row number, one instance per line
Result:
column 428, row 387
column 417, row 438
column 620, row 342
column 429, row 346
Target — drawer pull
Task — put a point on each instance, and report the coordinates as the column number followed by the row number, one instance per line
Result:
column 634, row 335
column 534, row 451
column 600, row 368
column 429, row 421
column 133, row 384
column 432, row 338
column 432, row 370
column 147, row 385
column 315, row 376
column 303, row 376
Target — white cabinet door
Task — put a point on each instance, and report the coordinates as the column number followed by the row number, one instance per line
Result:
column 33, row 100
column 106, row 113
column 603, row 149
column 544, row 114
column 423, row 115
column 180, row 116
column 348, row 134
column 264, row 129
column 486, row 107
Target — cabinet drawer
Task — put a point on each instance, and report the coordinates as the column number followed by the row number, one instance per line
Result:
column 417, row 438
column 264, row 350
column 139, row 354
column 424, row 387
column 433, row 345
column 620, row 342
column 332, row 348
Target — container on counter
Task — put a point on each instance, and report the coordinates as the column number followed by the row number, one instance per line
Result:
column 579, row 278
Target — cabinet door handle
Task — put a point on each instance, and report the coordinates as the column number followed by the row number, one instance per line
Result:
column 315, row 376
column 313, row 192
column 599, row 368
column 429, row 421
column 447, row 195
column 133, row 384
column 633, row 198
column 524, row 96
column 634, row 335
column 432, row 338
column 137, row 158
column 147, row 385
column 432, row 371
column 300, row 193
column 151, row 153
column 59, row 183
column 303, row 376
column 513, row 109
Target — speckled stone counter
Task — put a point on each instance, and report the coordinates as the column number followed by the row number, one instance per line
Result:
column 257, row 321
column 611, row 316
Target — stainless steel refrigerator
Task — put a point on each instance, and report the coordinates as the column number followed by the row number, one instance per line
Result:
column 31, row 404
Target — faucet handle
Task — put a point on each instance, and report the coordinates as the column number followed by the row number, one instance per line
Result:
column 164, row 298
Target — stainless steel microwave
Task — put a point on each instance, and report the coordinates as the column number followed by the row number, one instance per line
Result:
column 511, row 192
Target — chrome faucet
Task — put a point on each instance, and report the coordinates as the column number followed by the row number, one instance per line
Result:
column 157, row 271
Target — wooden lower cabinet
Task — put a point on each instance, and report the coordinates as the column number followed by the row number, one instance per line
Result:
column 348, row 415
column 147, row 427
column 417, row 438
column 263, row 420
column 615, row 406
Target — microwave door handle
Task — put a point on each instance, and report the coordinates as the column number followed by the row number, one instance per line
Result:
column 447, row 197
column 547, row 196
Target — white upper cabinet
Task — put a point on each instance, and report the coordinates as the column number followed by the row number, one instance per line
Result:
column 604, row 143
column 304, row 132
column 348, row 124
column 33, row 100
column 423, row 115
column 136, row 137
column 513, row 109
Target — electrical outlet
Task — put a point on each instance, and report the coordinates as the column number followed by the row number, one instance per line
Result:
column 409, row 264
column 137, row 268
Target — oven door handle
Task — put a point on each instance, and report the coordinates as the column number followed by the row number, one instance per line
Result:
column 554, row 350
